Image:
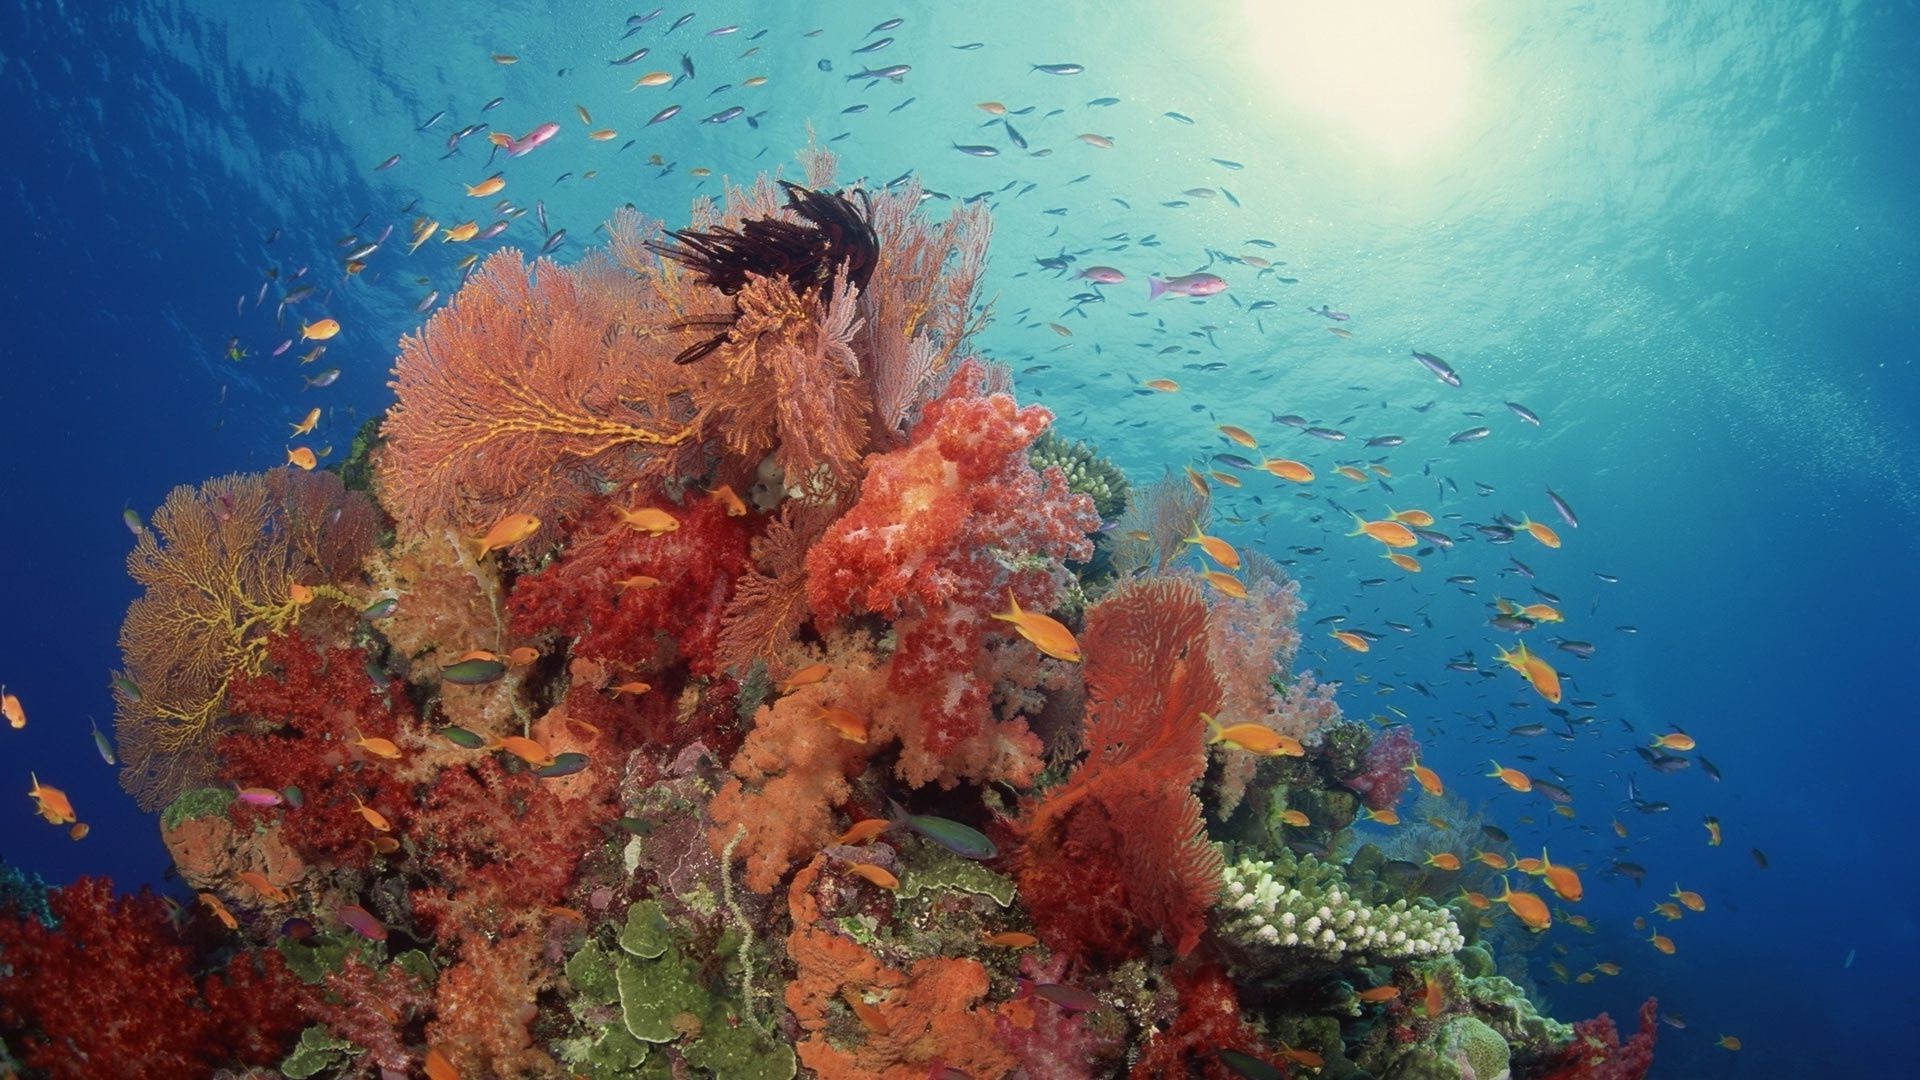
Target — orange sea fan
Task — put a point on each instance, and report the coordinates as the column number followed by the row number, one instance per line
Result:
column 538, row 387
column 769, row 603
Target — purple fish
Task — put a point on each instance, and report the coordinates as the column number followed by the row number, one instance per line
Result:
column 258, row 796
column 283, row 347
column 1070, row 998
column 492, row 230
column 361, row 921
column 1103, row 275
column 1186, row 285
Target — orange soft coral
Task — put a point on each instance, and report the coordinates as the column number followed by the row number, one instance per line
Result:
column 934, row 1012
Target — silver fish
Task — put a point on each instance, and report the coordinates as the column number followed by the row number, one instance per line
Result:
column 1440, row 368
column 1472, row 434
column 1566, row 512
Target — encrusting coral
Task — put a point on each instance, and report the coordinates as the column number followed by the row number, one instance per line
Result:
column 739, row 760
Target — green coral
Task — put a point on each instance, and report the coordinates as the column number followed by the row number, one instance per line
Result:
column 1087, row 472
column 194, row 804
column 318, row 1051
column 1481, row 1047
column 668, row 996
column 932, row 867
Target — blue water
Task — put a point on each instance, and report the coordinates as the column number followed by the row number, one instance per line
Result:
column 1684, row 234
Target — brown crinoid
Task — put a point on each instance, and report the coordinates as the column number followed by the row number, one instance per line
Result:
column 832, row 232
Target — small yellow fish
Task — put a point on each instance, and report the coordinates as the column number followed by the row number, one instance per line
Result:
column 319, row 330
column 1254, row 738
column 1295, row 818
column 492, row 185
column 377, row 746
column 992, row 108
column 1217, row 549
column 1674, row 740
column 652, row 78
column 1352, row 640
column 1165, row 386
column 1390, row 533
column 1239, row 435
column 752, row 81
column 649, row 520
column 302, row 457
column 508, row 531
column 1513, row 778
column 1046, row 633
column 1226, row 583
column 11, row 708
column 1404, row 561
column 461, row 233
column 1540, row 532
column 52, row 803
column 603, row 135
column 305, row 426
column 1288, row 469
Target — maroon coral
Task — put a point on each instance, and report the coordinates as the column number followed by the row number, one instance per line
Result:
column 1117, row 853
column 1208, row 1022
column 1597, row 1053
column 109, row 991
column 943, row 530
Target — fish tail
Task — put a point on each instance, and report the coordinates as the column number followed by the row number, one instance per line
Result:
column 1155, row 286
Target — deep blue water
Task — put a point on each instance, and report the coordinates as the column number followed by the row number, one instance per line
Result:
column 1685, row 235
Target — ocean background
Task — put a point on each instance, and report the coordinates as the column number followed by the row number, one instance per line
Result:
column 1685, row 235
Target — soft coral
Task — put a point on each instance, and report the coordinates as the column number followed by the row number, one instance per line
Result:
column 1596, row 1052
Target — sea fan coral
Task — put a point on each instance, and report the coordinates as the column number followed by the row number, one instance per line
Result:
column 1117, row 853
column 532, row 389
column 943, row 531
column 219, row 564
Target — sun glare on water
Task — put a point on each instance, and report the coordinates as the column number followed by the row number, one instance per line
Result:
column 1391, row 75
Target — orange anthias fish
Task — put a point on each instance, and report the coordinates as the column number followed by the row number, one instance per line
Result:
column 1288, row 469
column 869, row 1016
column 1389, row 816
column 1240, row 435
column 438, row 1067
column 1419, row 519
column 1351, row 640
column 378, row 747
column 1379, row 993
column 505, row 533
column 1713, row 832
column 374, row 817
column 1217, row 549
column 1295, row 818
column 306, row 425
column 1044, row 632
column 220, row 911
column 1226, row 583
column 301, row 457
column 1561, row 879
column 1165, row 386
column 527, row 750
column 1445, row 860
column 11, row 708
column 1669, row 909
column 879, row 875
column 634, row 687
column 1390, row 533
column 1492, row 858
column 1663, row 943
column 1308, row 1058
column 1693, row 900
column 1436, row 1000
column 52, row 803
column 848, row 724
column 258, row 882
column 1351, row 473
column 1678, row 741
column 492, row 185
column 1254, row 738
column 461, row 233
column 1429, row 780
column 1728, row 1042
column 649, row 520
column 1198, row 482
column 522, row 656
column 300, row 594
column 1540, row 532
column 861, row 832
column 725, row 496
column 319, row 330
column 1536, row 671
column 1528, row 908
column 1012, row 939
column 806, row 676
column 1404, row 561
column 637, row 581
column 1476, row 899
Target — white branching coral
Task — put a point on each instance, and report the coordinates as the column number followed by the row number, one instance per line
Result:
column 1298, row 909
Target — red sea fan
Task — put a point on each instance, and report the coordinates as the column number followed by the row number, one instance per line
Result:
column 1117, row 853
column 1383, row 771
column 1597, row 1053
column 941, row 533
column 623, row 627
column 110, row 994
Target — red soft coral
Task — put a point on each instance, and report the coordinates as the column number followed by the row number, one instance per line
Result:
column 307, row 707
column 1117, row 852
column 1597, row 1053
column 624, row 627
column 943, row 530
column 1208, row 1022
column 108, row 992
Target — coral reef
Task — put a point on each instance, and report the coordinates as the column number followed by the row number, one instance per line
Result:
column 739, row 762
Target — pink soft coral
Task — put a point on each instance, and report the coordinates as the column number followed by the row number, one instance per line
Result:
column 1383, row 771
column 944, row 529
column 1597, row 1053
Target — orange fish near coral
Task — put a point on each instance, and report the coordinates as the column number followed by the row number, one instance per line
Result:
column 258, row 882
column 492, row 185
column 1295, row 818
column 1226, row 583
column 1289, row 469
column 1561, row 879
column 1389, row 816
column 219, row 910
column 51, row 802
column 1476, row 899
column 848, row 724
column 806, row 676
column 1240, row 435
column 1419, row 519
column 1379, row 993
column 306, row 425
column 301, row 457
column 1492, row 858
column 861, row 832
column 1012, row 939
column 11, row 708
column 1445, row 860
column 1217, row 549
column 635, row 687
column 505, row 533
column 374, row 817
column 725, row 497
column 866, row 1013
column 1043, row 631
column 637, row 581
column 649, row 520
column 1436, row 1000
column 1528, row 908
column 1429, row 780
column 1390, row 533
column 527, row 750
column 876, row 874
column 1352, row 640
column 438, row 1067
column 1254, row 738
column 1678, row 741
column 378, row 747
column 319, row 330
